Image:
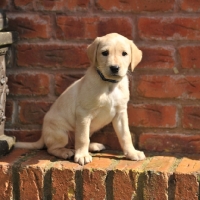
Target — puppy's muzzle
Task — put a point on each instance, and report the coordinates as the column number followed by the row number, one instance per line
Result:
column 114, row 69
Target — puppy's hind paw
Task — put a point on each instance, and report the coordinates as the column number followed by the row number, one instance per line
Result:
column 135, row 155
column 63, row 153
column 96, row 147
column 67, row 153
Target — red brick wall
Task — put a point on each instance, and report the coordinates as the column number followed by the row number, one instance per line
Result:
column 164, row 110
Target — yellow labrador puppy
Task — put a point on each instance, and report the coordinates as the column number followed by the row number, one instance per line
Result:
column 100, row 97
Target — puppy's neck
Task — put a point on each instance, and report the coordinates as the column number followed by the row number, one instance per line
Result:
column 105, row 79
column 104, row 85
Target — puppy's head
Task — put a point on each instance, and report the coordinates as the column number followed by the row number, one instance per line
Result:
column 113, row 54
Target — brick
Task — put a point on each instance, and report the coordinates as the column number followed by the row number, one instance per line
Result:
column 136, row 6
column 62, row 5
column 189, row 57
column 52, row 55
column 30, row 26
column 28, row 84
column 189, row 165
column 77, row 4
column 63, row 81
column 162, row 164
column 155, row 186
column 24, row 4
column 122, row 185
column 127, row 165
column 24, row 135
column 157, row 57
column 32, row 112
column 9, row 110
column 157, row 177
column 152, row 115
column 190, row 5
column 3, row 4
column 91, row 27
column 6, row 173
column 126, row 178
column 63, row 180
column 191, row 117
column 176, row 143
column 183, row 190
column 186, row 173
column 94, row 178
column 76, row 28
column 159, row 86
column 168, row 28
column 32, row 174
column 110, row 25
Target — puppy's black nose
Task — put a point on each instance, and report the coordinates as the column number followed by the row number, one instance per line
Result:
column 114, row 69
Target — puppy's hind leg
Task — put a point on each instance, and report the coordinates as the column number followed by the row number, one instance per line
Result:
column 56, row 145
column 96, row 147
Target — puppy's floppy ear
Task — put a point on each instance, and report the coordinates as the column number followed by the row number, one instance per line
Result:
column 136, row 55
column 92, row 51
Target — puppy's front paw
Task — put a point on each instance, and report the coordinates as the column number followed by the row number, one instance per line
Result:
column 82, row 159
column 135, row 155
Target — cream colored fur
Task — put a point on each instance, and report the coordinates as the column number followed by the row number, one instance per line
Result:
column 91, row 103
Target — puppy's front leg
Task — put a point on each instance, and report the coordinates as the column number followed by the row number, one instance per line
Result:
column 82, row 140
column 120, row 124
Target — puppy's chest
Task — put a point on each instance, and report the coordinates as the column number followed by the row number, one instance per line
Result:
column 109, row 104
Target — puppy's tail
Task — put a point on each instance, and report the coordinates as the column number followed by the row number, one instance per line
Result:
column 31, row 145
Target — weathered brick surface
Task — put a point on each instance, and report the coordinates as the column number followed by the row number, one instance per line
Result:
column 3, row 4
column 162, row 86
column 90, row 28
column 157, row 177
column 161, row 142
column 190, row 5
column 136, row 6
column 152, row 115
column 28, row 84
column 191, row 117
column 38, row 175
column 62, row 5
column 33, row 112
column 109, row 25
column 24, row 4
column 168, row 28
column 63, row 180
column 186, row 173
column 32, row 174
column 94, row 178
column 30, row 26
column 52, row 55
column 6, row 173
column 157, row 57
column 189, row 57
column 126, row 179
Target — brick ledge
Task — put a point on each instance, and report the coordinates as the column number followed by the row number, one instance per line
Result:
column 36, row 175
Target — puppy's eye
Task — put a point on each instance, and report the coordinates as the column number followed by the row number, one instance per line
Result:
column 105, row 53
column 124, row 53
